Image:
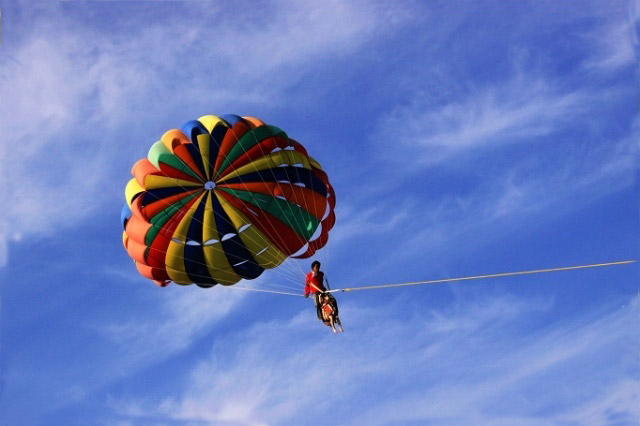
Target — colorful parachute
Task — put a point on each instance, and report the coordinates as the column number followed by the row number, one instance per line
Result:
column 222, row 199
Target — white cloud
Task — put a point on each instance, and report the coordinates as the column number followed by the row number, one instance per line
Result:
column 83, row 103
column 531, row 191
column 356, row 221
column 141, row 330
column 619, row 403
column 615, row 44
column 56, row 155
column 183, row 315
column 536, row 148
column 524, row 195
column 291, row 33
column 533, row 376
column 509, row 112
column 455, row 366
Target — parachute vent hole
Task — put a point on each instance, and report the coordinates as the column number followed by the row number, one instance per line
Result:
column 243, row 227
column 211, row 242
column 263, row 250
column 276, row 149
column 225, row 237
column 284, row 181
column 300, row 184
column 281, row 197
column 299, row 165
column 252, row 212
column 283, row 165
column 192, row 243
column 175, row 240
column 240, row 263
column 290, row 148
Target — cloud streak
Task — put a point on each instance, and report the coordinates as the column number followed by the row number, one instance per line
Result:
column 156, row 326
column 615, row 44
column 515, row 111
column 453, row 366
column 501, row 154
column 73, row 127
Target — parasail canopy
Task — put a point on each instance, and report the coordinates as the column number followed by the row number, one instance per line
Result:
column 222, row 199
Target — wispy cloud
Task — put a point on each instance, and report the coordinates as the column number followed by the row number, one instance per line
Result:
column 138, row 332
column 524, row 382
column 453, row 366
column 83, row 103
column 615, row 43
column 535, row 190
column 524, row 195
column 180, row 316
column 82, row 91
column 38, row 150
column 509, row 112
column 532, row 144
column 378, row 219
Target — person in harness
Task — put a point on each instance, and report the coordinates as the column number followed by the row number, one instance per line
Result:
column 329, row 309
column 317, row 284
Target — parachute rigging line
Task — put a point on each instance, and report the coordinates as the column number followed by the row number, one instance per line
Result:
column 479, row 277
column 259, row 290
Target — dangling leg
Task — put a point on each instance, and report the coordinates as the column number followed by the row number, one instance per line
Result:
column 318, row 305
column 333, row 327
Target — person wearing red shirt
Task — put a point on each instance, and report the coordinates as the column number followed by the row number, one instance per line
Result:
column 315, row 279
column 315, row 285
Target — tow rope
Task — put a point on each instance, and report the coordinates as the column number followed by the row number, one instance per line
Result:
column 480, row 277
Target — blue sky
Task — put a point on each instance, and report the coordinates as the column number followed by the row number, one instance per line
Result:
column 461, row 139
